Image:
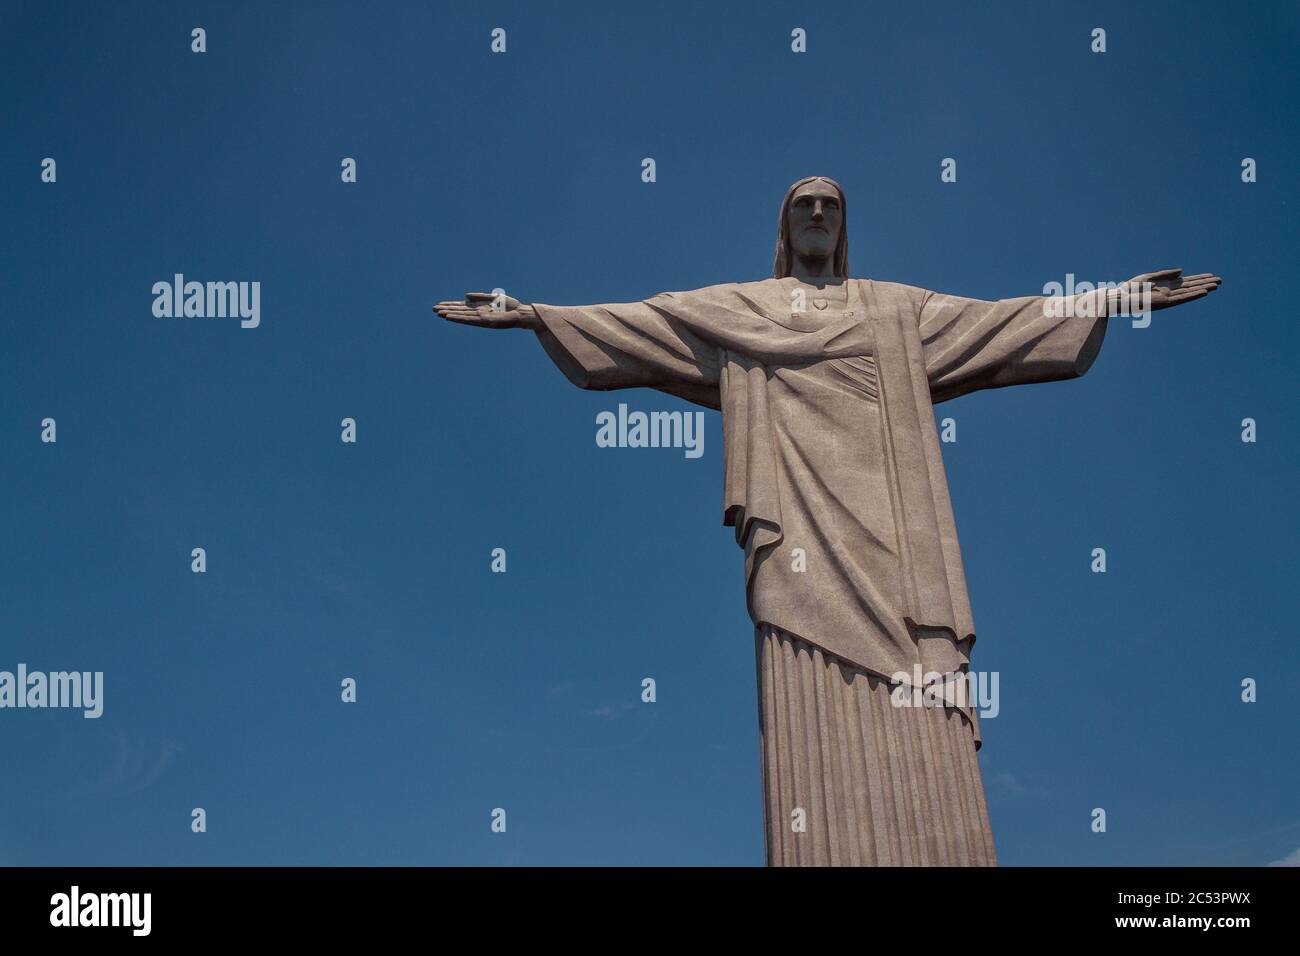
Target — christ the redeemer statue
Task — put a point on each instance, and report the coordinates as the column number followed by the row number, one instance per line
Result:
column 826, row 386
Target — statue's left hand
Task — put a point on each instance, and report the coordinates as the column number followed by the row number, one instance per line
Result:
column 1169, row 287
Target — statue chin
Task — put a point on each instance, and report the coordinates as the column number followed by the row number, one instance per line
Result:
column 814, row 250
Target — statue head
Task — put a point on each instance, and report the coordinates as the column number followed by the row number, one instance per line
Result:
column 812, row 227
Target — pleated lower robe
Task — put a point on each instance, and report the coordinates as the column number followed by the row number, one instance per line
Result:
column 834, row 482
column 879, row 785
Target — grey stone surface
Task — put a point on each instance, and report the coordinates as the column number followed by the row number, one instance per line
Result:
column 826, row 386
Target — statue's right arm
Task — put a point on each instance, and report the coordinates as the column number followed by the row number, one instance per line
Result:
column 615, row 345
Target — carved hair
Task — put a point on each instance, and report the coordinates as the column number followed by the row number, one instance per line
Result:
column 785, row 257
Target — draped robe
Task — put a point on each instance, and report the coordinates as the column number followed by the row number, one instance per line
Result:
column 813, row 402
column 834, row 483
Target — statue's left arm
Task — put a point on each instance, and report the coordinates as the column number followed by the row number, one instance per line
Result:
column 970, row 344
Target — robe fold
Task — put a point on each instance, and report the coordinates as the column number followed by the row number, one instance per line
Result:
column 830, row 442
column 877, row 785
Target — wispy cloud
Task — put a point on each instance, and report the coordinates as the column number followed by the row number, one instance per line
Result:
column 560, row 689
column 135, row 766
column 1291, row 859
column 609, row 711
column 1004, row 783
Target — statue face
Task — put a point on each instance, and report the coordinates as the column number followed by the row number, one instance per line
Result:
column 814, row 220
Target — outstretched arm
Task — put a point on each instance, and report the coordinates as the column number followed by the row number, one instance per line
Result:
column 619, row 345
column 972, row 344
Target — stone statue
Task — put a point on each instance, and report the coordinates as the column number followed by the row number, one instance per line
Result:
column 826, row 386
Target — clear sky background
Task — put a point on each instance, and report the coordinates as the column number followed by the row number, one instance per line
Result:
column 522, row 170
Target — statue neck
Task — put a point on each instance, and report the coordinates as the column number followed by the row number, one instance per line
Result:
column 816, row 272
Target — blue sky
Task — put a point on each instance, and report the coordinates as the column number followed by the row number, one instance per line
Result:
column 522, row 170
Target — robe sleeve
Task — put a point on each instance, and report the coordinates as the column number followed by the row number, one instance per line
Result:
column 632, row 344
column 970, row 344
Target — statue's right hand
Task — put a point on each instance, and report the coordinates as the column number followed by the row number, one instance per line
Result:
column 489, row 311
